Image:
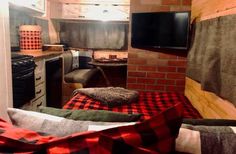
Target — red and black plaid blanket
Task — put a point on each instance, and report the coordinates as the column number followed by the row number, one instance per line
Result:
column 156, row 135
column 149, row 104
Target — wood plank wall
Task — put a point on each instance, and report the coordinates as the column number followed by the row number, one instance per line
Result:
column 207, row 9
column 208, row 104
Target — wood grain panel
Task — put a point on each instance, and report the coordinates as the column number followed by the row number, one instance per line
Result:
column 208, row 104
column 5, row 62
column 207, row 9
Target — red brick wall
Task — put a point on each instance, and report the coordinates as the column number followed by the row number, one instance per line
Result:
column 156, row 71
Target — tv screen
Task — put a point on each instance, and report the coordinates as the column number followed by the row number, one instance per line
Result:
column 160, row 30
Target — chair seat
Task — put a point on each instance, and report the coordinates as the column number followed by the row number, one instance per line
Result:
column 81, row 76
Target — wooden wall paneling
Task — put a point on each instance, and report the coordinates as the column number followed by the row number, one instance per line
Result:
column 208, row 104
column 5, row 62
column 207, row 9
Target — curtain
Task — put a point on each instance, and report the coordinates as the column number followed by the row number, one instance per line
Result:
column 94, row 35
column 212, row 57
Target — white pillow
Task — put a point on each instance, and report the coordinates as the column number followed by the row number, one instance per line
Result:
column 103, row 127
column 49, row 124
column 34, row 114
column 188, row 141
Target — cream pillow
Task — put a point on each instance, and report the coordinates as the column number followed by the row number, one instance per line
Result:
column 52, row 125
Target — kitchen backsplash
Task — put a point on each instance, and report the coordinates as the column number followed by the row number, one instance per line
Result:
column 94, row 35
column 18, row 18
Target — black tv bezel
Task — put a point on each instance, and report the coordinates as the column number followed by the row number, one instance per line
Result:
column 163, row 47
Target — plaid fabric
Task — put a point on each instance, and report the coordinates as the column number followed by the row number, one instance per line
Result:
column 156, row 135
column 149, row 104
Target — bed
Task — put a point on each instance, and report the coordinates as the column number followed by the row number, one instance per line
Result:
column 149, row 104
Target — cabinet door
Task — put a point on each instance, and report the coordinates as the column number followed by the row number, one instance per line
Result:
column 96, row 12
column 38, row 4
column 31, row 6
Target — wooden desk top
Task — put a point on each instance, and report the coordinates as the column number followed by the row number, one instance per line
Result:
column 107, row 64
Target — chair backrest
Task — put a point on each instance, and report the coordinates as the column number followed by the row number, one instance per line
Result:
column 67, row 56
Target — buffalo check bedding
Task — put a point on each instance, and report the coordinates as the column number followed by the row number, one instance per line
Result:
column 153, row 136
column 149, row 104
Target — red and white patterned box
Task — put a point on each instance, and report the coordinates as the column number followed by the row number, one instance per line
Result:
column 30, row 38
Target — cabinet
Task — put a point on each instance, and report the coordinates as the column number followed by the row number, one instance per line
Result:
column 54, row 82
column 40, row 88
column 30, row 6
column 91, row 11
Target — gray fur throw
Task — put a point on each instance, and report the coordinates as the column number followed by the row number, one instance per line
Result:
column 110, row 96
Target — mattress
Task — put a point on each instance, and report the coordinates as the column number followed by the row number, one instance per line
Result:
column 149, row 104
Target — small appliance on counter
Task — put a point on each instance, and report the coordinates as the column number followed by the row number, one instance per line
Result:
column 30, row 38
column 53, row 47
column 23, row 67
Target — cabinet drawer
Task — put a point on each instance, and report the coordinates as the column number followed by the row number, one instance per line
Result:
column 39, row 91
column 40, row 66
column 39, row 78
column 39, row 102
column 27, row 106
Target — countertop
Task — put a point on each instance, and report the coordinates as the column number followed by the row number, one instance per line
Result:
column 41, row 54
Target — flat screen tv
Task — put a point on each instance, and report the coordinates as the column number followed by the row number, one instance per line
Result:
column 169, row 30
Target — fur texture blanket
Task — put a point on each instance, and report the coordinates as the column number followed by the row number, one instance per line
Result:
column 110, row 96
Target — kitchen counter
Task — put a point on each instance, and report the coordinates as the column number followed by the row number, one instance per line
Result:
column 41, row 54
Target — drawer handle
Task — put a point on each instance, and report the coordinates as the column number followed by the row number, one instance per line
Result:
column 38, row 78
column 38, row 105
column 38, row 92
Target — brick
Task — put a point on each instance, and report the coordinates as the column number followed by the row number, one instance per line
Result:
column 180, row 82
column 186, row 2
column 171, row 88
column 155, row 87
column 151, row 2
column 181, row 69
column 175, row 88
column 166, row 82
column 136, row 86
column 131, row 80
column 182, row 58
column 180, row 8
column 132, row 67
column 171, row 2
column 166, row 69
column 145, row 81
column 156, row 75
column 164, row 8
column 138, row 61
column 147, row 68
column 137, row 74
column 133, row 55
column 167, row 56
column 177, row 63
column 175, row 76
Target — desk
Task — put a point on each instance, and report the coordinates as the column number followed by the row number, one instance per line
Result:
column 100, row 65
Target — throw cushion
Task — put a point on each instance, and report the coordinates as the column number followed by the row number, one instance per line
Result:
column 75, row 59
column 215, row 138
column 84, row 58
column 110, row 96
column 91, row 115
column 156, row 134
column 64, row 127
column 210, row 122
